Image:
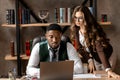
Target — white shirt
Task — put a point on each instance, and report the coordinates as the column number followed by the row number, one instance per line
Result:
column 82, row 41
column 34, row 60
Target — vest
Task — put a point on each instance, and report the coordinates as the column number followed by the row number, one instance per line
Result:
column 44, row 52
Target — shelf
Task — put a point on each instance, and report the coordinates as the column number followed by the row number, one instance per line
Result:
column 34, row 25
column 105, row 23
column 47, row 24
column 23, row 57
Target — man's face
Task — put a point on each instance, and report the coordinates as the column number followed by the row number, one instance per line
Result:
column 53, row 37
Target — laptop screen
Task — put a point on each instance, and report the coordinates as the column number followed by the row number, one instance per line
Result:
column 61, row 70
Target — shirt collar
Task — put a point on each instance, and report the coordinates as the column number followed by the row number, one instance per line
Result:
column 49, row 47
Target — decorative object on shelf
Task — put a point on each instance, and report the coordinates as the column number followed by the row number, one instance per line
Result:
column 12, row 51
column 43, row 14
column 11, row 75
column 104, row 17
column 27, row 44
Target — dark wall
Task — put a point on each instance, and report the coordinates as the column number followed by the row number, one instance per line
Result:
column 8, row 34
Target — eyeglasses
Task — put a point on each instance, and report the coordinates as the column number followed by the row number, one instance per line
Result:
column 78, row 18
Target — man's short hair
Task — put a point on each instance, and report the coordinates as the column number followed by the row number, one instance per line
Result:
column 54, row 27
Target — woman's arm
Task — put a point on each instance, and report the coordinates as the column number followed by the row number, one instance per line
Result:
column 105, row 61
column 102, row 55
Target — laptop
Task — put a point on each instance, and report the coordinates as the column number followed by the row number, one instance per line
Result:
column 61, row 70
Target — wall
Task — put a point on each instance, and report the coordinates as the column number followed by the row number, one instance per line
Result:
column 8, row 34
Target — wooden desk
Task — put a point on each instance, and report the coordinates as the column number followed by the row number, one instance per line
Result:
column 77, row 79
column 6, row 79
column 103, row 75
column 96, row 72
column 96, row 79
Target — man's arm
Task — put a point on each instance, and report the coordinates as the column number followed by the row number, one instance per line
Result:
column 32, row 67
column 73, row 55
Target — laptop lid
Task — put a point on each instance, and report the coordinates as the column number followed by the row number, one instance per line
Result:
column 61, row 70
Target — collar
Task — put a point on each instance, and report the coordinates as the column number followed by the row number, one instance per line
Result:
column 49, row 47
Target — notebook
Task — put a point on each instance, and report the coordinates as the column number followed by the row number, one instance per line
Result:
column 62, row 70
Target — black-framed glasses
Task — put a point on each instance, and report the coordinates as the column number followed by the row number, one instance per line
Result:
column 78, row 18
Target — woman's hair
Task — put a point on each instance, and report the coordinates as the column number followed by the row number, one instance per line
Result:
column 93, row 31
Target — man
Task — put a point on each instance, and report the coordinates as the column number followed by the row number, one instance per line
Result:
column 43, row 51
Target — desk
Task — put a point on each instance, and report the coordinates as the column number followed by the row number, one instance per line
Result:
column 97, row 79
column 77, row 79
column 6, row 79
column 98, row 75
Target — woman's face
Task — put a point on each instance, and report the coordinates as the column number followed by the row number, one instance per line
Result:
column 79, row 18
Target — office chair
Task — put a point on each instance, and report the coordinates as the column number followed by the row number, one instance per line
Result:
column 42, row 38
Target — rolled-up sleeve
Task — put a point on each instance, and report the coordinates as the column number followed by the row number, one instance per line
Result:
column 32, row 67
column 73, row 55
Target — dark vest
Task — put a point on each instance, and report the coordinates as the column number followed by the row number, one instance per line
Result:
column 44, row 52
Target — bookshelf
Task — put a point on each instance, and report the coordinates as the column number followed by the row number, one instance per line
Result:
column 20, row 57
column 24, row 57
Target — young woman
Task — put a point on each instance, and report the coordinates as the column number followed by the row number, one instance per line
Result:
column 91, row 41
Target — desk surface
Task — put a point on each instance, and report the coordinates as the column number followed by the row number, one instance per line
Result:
column 96, row 79
column 6, row 79
column 77, row 79
column 99, row 75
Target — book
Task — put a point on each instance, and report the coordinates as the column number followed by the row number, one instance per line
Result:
column 10, row 16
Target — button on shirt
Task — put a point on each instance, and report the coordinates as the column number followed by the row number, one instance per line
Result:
column 32, row 67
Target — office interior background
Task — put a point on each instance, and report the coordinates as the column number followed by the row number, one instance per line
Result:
column 7, row 34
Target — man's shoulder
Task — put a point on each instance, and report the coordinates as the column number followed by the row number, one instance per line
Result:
column 43, row 42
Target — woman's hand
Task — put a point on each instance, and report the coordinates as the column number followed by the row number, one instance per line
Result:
column 113, row 74
column 91, row 66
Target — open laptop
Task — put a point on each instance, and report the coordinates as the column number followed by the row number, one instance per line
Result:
column 62, row 70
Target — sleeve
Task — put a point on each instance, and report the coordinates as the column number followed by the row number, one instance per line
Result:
column 102, row 55
column 73, row 55
column 32, row 67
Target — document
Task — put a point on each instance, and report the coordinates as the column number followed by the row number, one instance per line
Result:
column 86, row 76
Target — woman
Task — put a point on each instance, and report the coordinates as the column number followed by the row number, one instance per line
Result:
column 91, row 41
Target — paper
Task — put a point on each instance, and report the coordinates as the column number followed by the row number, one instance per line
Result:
column 86, row 76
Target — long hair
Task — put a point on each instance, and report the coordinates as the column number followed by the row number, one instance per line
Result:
column 93, row 31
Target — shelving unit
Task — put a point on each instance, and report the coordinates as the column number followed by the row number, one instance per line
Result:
column 20, row 57
column 24, row 57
